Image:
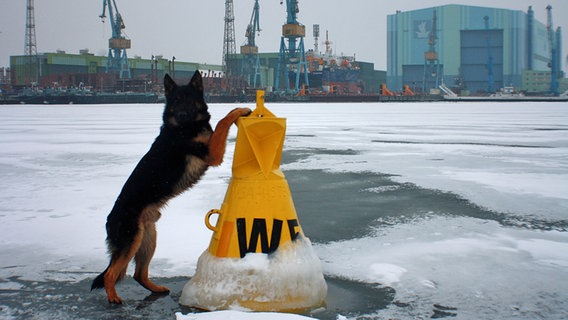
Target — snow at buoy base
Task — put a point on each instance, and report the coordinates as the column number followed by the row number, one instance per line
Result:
column 289, row 279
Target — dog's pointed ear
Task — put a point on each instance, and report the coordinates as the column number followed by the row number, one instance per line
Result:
column 196, row 83
column 169, row 84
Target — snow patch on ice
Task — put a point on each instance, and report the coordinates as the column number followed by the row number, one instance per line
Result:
column 239, row 315
column 382, row 189
column 11, row 286
column 386, row 273
column 542, row 184
column 545, row 251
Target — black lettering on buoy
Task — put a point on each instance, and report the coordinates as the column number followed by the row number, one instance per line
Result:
column 258, row 230
column 292, row 224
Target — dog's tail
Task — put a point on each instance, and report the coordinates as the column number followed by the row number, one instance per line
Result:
column 99, row 282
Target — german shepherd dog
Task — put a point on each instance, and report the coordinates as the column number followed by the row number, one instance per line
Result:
column 178, row 158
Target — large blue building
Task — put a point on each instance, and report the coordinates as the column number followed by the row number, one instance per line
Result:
column 471, row 48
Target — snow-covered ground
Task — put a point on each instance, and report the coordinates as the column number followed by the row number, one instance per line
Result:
column 61, row 168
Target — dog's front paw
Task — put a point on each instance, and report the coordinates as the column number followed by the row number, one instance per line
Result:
column 237, row 113
column 243, row 112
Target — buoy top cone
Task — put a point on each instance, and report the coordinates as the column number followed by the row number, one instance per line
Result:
column 260, row 140
column 258, row 213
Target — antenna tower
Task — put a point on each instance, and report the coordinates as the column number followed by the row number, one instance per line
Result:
column 229, row 47
column 316, row 38
column 30, row 48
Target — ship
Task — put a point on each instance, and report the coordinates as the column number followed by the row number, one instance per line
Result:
column 79, row 96
column 332, row 74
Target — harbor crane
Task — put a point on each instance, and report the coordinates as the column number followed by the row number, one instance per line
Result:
column 118, row 43
column 251, row 61
column 292, row 57
column 431, row 61
column 553, row 56
column 490, row 72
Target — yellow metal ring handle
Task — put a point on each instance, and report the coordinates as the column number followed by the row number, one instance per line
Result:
column 208, row 216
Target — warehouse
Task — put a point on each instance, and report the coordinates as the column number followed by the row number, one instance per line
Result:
column 69, row 69
column 471, row 49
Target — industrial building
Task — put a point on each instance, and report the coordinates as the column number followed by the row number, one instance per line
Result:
column 73, row 69
column 62, row 69
column 471, row 49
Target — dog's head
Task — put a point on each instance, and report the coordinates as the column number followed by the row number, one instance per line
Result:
column 185, row 104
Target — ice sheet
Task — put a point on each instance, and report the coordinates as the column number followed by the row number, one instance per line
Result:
column 449, row 261
column 506, row 157
column 63, row 166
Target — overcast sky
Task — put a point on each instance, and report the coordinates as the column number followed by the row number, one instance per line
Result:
column 192, row 30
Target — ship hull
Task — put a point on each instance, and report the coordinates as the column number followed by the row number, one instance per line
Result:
column 115, row 98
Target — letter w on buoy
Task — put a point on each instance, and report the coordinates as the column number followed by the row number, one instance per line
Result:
column 260, row 232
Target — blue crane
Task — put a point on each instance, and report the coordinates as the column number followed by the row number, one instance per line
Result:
column 251, row 63
column 292, row 58
column 117, row 44
column 490, row 74
column 431, row 63
column 553, row 56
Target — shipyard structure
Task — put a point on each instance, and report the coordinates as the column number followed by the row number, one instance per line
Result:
column 445, row 52
column 293, row 73
column 61, row 70
column 473, row 50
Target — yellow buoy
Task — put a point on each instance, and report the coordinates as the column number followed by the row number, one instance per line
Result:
column 258, row 257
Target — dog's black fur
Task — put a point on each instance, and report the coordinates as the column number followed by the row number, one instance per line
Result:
column 180, row 155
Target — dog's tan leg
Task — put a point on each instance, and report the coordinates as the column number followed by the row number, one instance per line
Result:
column 218, row 140
column 122, row 274
column 118, row 266
column 143, row 257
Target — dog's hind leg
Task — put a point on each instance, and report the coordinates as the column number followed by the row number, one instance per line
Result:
column 122, row 274
column 118, row 265
column 143, row 257
column 218, row 140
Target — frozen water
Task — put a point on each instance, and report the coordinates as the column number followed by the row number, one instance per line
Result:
column 500, row 156
column 456, row 209
column 470, row 264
